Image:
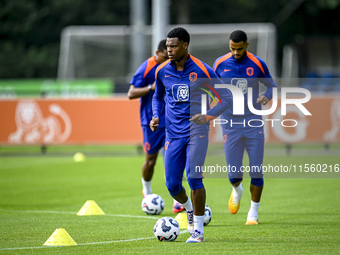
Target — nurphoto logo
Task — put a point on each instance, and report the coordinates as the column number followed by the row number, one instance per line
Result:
column 238, row 105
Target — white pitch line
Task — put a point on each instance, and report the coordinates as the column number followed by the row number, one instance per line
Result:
column 83, row 244
column 30, row 211
column 132, row 216
column 24, row 248
column 74, row 213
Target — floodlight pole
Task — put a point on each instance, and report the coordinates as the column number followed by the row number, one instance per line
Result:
column 160, row 21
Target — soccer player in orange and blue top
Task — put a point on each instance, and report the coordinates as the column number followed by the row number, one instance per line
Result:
column 243, row 69
column 178, row 93
column 142, row 86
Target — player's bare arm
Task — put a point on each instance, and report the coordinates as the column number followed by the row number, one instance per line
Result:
column 154, row 123
column 263, row 100
column 134, row 92
column 198, row 119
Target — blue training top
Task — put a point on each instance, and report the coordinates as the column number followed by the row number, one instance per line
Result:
column 181, row 94
column 144, row 76
column 244, row 73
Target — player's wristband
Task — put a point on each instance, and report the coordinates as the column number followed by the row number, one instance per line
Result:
column 150, row 87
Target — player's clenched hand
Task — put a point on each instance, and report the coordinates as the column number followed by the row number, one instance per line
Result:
column 262, row 99
column 199, row 119
column 154, row 124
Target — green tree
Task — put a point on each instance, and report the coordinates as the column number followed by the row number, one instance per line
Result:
column 30, row 31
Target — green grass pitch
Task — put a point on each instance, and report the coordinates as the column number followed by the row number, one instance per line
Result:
column 41, row 193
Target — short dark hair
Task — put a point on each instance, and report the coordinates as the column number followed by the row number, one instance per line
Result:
column 238, row 36
column 162, row 45
column 180, row 33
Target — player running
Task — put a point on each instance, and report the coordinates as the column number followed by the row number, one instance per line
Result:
column 244, row 70
column 178, row 90
column 142, row 86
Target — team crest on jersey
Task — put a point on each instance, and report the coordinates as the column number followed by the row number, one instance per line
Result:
column 250, row 71
column 225, row 138
column 147, row 146
column 166, row 145
column 180, row 92
column 241, row 83
column 193, row 77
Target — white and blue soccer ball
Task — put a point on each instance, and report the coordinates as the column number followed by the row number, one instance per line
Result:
column 207, row 215
column 166, row 229
column 153, row 204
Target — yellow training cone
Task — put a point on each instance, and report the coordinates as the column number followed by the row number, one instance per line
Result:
column 79, row 157
column 60, row 238
column 90, row 208
column 182, row 219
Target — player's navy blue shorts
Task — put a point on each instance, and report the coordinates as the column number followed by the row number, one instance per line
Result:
column 153, row 141
column 184, row 153
column 235, row 141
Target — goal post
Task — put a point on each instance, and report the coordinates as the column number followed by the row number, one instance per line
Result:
column 105, row 52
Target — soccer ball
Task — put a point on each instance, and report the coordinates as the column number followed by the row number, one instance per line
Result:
column 153, row 204
column 166, row 229
column 207, row 215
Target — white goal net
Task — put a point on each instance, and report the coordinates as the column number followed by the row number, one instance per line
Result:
column 104, row 51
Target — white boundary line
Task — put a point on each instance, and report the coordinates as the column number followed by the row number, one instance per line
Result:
column 23, row 248
column 133, row 216
column 74, row 213
column 82, row 244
